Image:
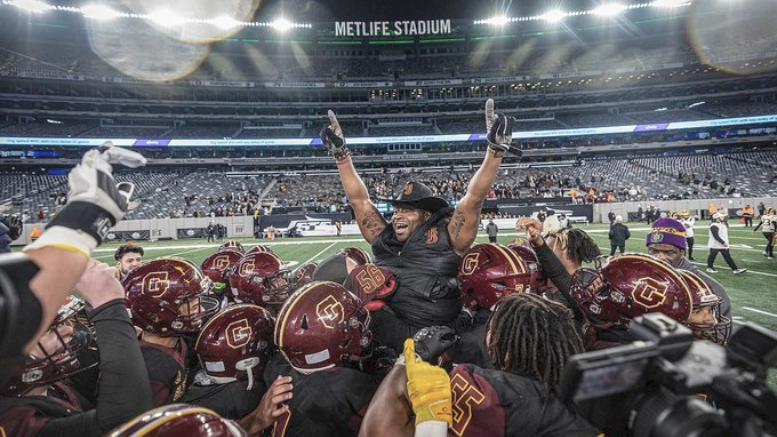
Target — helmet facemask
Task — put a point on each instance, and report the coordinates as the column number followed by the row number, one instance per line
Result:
column 55, row 355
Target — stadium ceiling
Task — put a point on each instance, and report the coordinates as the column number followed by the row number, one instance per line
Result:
column 171, row 18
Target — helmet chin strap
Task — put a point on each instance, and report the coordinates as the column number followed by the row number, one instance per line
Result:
column 250, row 378
column 247, row 365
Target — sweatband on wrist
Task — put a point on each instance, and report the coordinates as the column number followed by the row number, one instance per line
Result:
column 65, row 238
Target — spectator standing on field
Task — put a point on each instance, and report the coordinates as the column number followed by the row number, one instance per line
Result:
column 491, row 230
column 688, row 223
column 718, row 243
column 619, row 233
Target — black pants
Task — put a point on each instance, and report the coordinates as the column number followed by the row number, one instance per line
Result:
column 748, row 221
column 388, row 330
column 689, row 241
column 726, row 256
column 620, row 247
column 491, row 239
column 769, row 243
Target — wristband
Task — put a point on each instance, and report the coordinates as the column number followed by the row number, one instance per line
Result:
column 342, row 156
column 495, row 153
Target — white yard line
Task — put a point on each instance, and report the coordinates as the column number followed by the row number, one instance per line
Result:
column 765, row 313
column 297, row 242
column 319, row 253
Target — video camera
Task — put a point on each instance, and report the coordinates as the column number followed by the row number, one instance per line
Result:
column 665, row 384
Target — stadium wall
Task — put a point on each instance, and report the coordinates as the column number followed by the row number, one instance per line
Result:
column 243, row 226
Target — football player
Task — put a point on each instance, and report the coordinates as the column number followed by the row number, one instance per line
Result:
column 624, row 287
column 560, row 255
column 529, row 341
column 260, row 278
column 767, row 226
column 177, row 420
column 706, row 321
column 303, row 274
column 233, row 349
column 38, row 401
column 168, row 298
column 338, row 266
column 232, row 245
column 34, row 285
column 488, row 272
column 218, row 267
column 323, row 332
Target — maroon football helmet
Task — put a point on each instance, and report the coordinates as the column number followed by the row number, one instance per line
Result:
column 232, row 245
column 218, row 266
column 489, row 272
column 236, row 343
column 538, row 282
column 259, row 249
column 322, row 325
column 303, row 274
column 630, row 285
column 703, row 297
column 169, row 297
column 55, row 356
column 260, row 278
column 175, row 420
column 360, row 256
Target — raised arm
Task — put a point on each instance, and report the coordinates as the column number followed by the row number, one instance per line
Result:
column 95, row 204
column 463, row 227
column 370, row 222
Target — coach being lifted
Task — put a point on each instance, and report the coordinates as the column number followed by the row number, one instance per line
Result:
column 424, row 242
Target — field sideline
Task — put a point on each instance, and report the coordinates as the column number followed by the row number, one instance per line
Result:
column 753, row 294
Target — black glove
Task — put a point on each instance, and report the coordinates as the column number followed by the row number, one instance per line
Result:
column 431, row 342
column 95, row 202
column 332, row 137
column 380, row 361
column 499, row 129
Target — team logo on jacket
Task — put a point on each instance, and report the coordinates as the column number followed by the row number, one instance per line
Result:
column 432, row 236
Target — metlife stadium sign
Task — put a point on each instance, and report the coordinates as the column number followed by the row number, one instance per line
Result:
column 392, row 28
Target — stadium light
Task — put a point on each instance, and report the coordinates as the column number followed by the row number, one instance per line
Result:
column 166, row 18
column 34, row 6
column 553, row 16
column 99, row 12
column 225, row 22
column 282, row 24
column 609, row 10
column 499, row 20
column 670, row 3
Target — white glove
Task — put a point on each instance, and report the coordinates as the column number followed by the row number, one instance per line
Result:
column 95, row 203
column 333, row 138
column 499, row 129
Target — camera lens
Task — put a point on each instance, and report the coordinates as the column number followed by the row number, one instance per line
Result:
column 661, row 413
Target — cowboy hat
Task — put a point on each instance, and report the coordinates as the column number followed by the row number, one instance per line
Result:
column 419, row 196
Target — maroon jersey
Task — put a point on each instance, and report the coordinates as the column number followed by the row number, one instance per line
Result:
column 327, row 403
column 27, row 416
column 493, row 403
column 167, row 371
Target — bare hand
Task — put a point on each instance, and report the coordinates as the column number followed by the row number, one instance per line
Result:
column 533, row 229
column 98, row 284
column 270, row 407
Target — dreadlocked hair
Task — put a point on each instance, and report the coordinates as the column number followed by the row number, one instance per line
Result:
column 533, row 337
column 579, row 246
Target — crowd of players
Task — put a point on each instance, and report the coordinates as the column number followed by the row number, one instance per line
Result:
column 429, row 335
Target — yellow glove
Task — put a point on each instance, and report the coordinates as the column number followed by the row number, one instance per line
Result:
column 428, row 387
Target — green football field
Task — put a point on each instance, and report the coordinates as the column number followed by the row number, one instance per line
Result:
column 753, row 294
